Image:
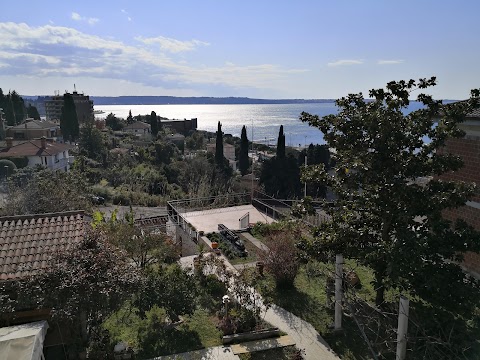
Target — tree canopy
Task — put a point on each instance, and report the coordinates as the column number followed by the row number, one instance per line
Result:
column 281, row 143
column 219, row 146
column 69, row 119
column 154, row 123
column 243, row 155
column 33, row 112
column 383, row 216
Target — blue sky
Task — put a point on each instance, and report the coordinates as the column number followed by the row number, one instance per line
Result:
column 265, row 49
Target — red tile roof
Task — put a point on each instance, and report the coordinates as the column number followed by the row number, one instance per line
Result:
column 34, row 148
column 28, row 242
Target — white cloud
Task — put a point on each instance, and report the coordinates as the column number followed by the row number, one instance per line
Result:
column 172, row 45
column 126, row 13
column 389, row 62
column 345, row 62
column 55, row 51
column 77, row 17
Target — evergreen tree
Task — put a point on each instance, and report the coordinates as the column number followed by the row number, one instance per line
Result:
column 18, row 107
column 382, row 216
column 130, row 117
column 219, row 158
column 32, row 112
column 68, row 119
column 154, row 123
column 281, row 144
column 243, row 156
column 9, row 112
column 91, row 142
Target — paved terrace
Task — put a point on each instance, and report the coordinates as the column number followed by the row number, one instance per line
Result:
column 208, row 220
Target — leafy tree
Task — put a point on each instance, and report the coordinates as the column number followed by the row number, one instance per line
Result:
column 316, row 154
column 32, row 112
column 383, row 217
column 154, row 123
column 164, row 152
column 113, row 122
column 282, row 260
column 84, row 286
column 219, row 158
column 130, row 119
column 243, row 155
column 281, row 144
column 142, row 247
column 168, row 287
column 69, row 119
column 33, row 191
column 91, row 142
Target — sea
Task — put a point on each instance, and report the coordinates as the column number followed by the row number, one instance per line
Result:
column 262, row 120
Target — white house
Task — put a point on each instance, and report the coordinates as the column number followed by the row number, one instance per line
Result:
column 52, row 155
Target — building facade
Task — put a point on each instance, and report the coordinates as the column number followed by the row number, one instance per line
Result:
column 468, row 148
column 41, row 152
column 83, row 105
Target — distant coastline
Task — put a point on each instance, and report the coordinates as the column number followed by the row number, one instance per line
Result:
column 174, row 100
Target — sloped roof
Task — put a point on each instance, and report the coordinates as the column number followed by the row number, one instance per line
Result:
column 35, row 124
column 28, row 242
column 34, row 148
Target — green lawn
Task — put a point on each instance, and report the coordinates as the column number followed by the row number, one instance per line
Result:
column 307, row 299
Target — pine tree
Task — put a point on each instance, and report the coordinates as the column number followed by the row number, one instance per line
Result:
column 68, row 119
column 243, row 156
column 219, row 146
column 154, row 123
column 281, row 144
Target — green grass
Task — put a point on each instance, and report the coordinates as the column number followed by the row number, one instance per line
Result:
column 307, row 299
column 252, row 253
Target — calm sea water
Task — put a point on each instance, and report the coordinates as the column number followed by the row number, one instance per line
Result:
column 265, row 119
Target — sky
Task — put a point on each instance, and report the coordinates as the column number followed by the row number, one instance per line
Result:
column 261, row 49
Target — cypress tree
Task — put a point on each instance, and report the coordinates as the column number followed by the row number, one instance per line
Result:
column 9, row 112
column 219, row 146
column 281, row 144
column 130, row 117
column 32, row 112
column 154, row 123
column 243, row 156
column 69, row 119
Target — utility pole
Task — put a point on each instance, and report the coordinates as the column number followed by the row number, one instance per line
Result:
column 253, row 161
column 402, row 328
column 338, row 291
column 305, row 191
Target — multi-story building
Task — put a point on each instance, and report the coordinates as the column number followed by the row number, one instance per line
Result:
column 468, row 148
column 83, row 105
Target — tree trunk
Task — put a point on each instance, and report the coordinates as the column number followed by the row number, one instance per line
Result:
column 379, row 288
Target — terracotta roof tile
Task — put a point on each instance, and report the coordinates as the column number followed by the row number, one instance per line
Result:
column 28, row 242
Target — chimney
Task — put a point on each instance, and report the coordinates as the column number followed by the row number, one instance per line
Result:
column 9, row 142
column 43, row 141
